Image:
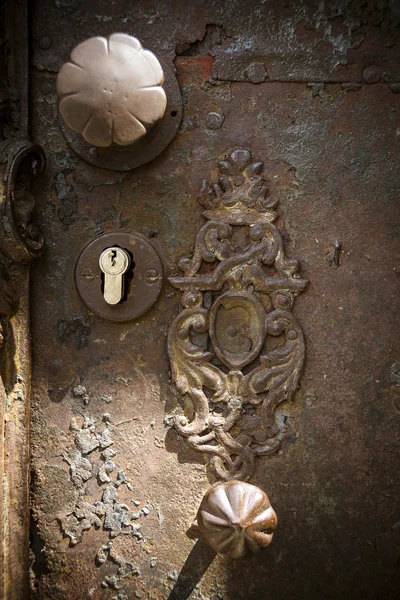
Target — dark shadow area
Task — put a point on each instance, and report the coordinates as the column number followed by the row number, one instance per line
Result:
column 8, row 307
column 196, row 564
column 37, row 546
column 176, row 444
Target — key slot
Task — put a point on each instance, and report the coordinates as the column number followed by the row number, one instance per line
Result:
column 114, row 263
column 127, row 277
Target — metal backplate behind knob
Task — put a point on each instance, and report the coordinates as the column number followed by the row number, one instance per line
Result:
column 143, row 280
column 119, row 104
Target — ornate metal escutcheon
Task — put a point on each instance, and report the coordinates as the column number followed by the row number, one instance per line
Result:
column 234, row 345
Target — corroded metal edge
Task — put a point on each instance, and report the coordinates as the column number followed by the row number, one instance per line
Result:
column 21, row 241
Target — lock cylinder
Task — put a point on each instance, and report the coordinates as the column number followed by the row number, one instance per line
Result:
column 114, row 263
column 104, row 278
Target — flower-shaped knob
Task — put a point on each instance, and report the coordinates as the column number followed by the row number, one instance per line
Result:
column 236, row 517
column 110, row 92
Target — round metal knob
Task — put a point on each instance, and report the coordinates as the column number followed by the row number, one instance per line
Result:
column 110, row 92
column 236, row 517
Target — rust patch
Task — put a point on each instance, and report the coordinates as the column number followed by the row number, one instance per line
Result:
column 198, row 67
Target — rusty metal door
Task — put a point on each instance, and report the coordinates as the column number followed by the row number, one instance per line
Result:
column 249, row 362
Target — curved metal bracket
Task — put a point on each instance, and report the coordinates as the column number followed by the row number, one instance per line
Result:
column 21, row 239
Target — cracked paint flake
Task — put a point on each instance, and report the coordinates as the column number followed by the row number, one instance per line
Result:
column 91, row 458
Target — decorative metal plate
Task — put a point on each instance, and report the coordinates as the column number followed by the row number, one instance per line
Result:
column 143, row 286
column 236, row 345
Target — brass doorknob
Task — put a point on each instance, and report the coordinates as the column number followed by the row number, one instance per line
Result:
column 111, row 90
column 236, row 518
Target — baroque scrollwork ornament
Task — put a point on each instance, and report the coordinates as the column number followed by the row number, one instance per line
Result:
column 236, row 348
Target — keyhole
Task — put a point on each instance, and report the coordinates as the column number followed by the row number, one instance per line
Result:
column 128, row 276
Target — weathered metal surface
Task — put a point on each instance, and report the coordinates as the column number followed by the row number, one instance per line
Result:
column 14, row 441
column 331, row 154
column 14, row 85
column 306, row 41
column 20, row 242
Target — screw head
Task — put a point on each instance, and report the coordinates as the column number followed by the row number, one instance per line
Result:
column 45, row 42
column 214, row 120
column 291, row 334
column 152, row 276
column 256, row 73
column 46, row 87
column 87, row 274
column 184, row 263
column 372, row 74
column 260, row 435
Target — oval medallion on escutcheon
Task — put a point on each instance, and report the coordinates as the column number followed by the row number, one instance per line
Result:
column 237, row 328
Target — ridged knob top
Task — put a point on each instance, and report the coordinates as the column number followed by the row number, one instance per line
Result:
column 110, row 92
column 236, row 517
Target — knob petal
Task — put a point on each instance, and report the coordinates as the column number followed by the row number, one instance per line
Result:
column 110, row 92
column 236, row 517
